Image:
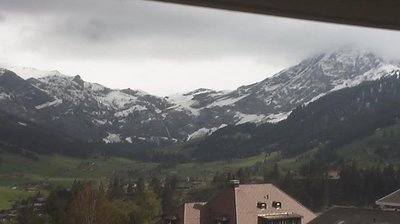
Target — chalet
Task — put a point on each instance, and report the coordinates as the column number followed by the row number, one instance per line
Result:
column 39, row 205
column 7, row 216
column 32, row 188
column 244, row 204
column 390, row 202
column 352, row 215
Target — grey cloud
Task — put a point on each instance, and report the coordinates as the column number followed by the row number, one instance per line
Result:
column 143, row 29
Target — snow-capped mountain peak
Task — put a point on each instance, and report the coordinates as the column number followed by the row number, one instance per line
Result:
column 315, row 77
column 29, row 72
column 97, row 112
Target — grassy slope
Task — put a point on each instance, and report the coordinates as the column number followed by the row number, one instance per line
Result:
column 296, row 162
column 364, row 150
column 18, row 171
column 8, row 196
column 208, row 170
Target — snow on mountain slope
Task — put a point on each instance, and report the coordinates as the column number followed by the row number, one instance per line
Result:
column 28, row 72
column 183, row 102
column 49, row 104
column 76, row 91
column 4, row 96
column 2, row 71
column 121, row 112
column 309, row 80
column 112, row 138
column 202, row 132
column 273, row 99
column 94, row 111
column 195, row 100
column 18, row 96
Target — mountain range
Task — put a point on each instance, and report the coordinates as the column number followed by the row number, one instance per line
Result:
column 324, row 126
column 94, row 113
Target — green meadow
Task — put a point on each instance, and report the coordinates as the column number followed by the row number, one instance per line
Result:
column 19, row 172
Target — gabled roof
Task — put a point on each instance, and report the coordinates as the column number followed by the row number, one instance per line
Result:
column 392, row 199
column 350, row 215
column 241, row 204
column 248, row 195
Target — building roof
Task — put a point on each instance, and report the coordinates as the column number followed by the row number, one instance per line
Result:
column 241, row 204
column 372, row 13
column 350, row 215
column 392, row 199
column 223, row 206
column 279, row 216
column 247, row 197
column 193, row 212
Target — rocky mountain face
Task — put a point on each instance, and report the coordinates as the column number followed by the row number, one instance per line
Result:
column 96, row 113
column 325, row 125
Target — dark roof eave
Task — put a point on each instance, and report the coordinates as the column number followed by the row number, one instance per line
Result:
column 370, row 13
column 383, row 200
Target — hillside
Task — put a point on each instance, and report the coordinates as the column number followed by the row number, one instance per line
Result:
column 26, row 138
column 330, row 122
column 94, row 113
column 341, row 126
column 21, row 172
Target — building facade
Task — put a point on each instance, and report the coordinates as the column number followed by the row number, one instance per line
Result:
column 244, row 204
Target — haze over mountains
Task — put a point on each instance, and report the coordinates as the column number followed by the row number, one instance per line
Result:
column 95, row 113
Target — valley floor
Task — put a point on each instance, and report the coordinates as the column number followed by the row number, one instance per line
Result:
column 19, row 175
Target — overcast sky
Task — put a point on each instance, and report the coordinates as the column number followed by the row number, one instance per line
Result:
column 166, row 48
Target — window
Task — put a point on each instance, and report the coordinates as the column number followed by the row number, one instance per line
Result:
column 222, row 220
column 262, row 205
column 277, row 204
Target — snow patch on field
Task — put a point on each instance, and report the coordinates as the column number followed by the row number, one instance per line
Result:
column 125, row 113
column 129, row 139
column 227, row 101
column 275, row 118
column 94, row 87
column 99, row 122
column 112, row 138
column 116, row 99
column 183, row 103
column 316, row 98
column 245, row 118
column 199, row 133
column 202, row 132
column 271, row 88
column 4, row 96
column 28, row 72
column 49, row 104
column 373, row 74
